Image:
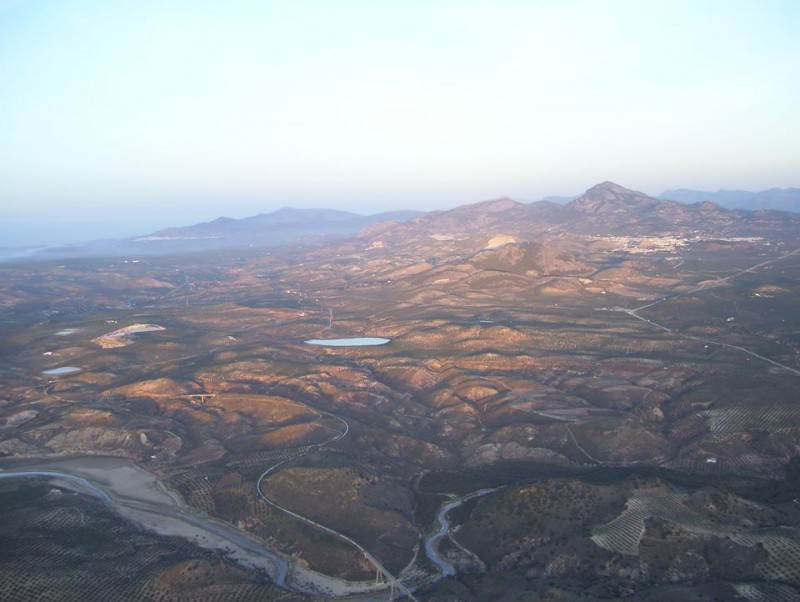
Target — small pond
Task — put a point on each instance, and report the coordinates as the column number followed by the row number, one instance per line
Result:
column 61, row 370
column 351, row 342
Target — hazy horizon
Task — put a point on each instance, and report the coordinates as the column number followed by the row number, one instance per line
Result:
column 128, row 114
column 21, row 232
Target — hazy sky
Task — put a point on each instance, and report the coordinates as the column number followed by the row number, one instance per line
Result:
column 185, row 110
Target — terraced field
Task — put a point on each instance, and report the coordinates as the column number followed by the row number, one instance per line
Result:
column 624, row 533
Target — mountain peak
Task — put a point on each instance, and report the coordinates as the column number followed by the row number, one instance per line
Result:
column 492, row 206
column 608, row 196
column 503, row 203
column 611, row 189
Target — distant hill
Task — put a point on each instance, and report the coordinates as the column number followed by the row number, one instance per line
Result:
column 782, row 199
column 279, row 227
column 561, row 200
column 284, row 226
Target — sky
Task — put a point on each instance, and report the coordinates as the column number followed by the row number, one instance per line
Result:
column 123, row 116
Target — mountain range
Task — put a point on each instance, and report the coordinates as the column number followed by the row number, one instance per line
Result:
column 604, row 209
column 283, row 226
column 783, row 199
column 300, row 227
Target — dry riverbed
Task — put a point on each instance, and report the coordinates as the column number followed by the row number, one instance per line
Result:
column 139, row 496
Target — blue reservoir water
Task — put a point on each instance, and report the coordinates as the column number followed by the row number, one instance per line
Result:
column 61, row 370
column 352, row 342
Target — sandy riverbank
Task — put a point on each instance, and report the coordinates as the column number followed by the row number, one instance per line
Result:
column 138, row 495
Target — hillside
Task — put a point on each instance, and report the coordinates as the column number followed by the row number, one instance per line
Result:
column 594, row 400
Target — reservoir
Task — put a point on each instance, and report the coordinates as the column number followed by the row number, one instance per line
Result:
column 62, row 370
column 351, row 342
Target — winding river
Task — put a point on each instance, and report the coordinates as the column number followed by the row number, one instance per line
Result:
column 96, row 491
column 447, row 569
column 138, row 495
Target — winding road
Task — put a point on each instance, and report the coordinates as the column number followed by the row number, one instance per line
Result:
column 138, row 495
column 394, row 583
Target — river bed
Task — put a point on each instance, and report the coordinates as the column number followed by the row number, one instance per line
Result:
column 447, row 569
column 138, row 495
